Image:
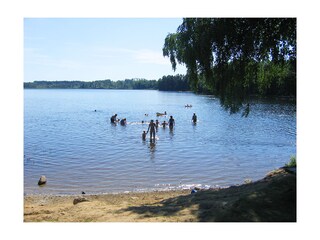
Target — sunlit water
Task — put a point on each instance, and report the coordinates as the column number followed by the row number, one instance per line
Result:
column 78, row 149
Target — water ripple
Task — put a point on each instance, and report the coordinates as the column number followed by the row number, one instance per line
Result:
column 79, row 150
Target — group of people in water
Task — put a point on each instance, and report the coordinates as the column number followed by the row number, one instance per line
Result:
column 114, row 120
column 153, row 125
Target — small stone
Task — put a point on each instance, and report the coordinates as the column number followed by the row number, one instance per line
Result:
column 79, row 200
column 42, row 180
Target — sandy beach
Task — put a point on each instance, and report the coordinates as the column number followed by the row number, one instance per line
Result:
column 271, row 199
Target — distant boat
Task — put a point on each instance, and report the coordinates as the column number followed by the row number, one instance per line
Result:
column 188, row 105
column 161, row 114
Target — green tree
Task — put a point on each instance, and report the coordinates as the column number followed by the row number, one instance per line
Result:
column 173, row 83
column 231, row 57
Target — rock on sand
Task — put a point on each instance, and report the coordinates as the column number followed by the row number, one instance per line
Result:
column 79, row 200
column 42, row 180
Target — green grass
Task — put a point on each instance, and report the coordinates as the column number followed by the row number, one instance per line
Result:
column 292, row 162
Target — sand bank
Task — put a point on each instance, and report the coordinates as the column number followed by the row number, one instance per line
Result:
column 270, row 199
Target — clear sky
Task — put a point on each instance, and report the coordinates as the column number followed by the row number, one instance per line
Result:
column 89, row 49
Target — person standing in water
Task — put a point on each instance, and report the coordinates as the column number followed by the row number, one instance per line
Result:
column 113, row 119
column 152, row 128
column 194, row 118
column 171, row 123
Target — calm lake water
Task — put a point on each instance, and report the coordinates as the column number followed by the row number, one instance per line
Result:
column 78, row 149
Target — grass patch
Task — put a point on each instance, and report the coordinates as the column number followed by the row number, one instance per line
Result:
column 292, row 162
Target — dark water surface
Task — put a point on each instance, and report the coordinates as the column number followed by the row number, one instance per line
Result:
column 77, row 148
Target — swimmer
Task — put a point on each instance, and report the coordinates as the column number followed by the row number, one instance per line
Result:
column 157, row 124
column 123, row 121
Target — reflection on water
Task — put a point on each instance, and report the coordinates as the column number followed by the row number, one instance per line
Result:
column 171, row 134
column 152, row 147
column 69, row 138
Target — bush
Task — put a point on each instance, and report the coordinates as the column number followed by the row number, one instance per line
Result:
column 292, row 162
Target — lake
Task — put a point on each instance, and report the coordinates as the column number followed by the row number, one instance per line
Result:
column 68, row 138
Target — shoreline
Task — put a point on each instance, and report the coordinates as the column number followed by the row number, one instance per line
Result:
column 102, row 193
column 146, row 191
column 271, row 199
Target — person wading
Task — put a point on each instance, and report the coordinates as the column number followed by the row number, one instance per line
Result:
column 152, row 128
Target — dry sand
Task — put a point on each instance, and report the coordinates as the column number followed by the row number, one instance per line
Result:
column 270, row 199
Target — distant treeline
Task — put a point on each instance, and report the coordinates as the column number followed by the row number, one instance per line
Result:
column 269, row 81
column 166, row 83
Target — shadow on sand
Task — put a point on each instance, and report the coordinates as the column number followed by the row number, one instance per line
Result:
column 272, row 199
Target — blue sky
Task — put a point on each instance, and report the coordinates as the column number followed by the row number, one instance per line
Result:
column 89, row 49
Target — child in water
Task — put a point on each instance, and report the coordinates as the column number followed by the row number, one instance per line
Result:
column 144, row 134
column 164, row 124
